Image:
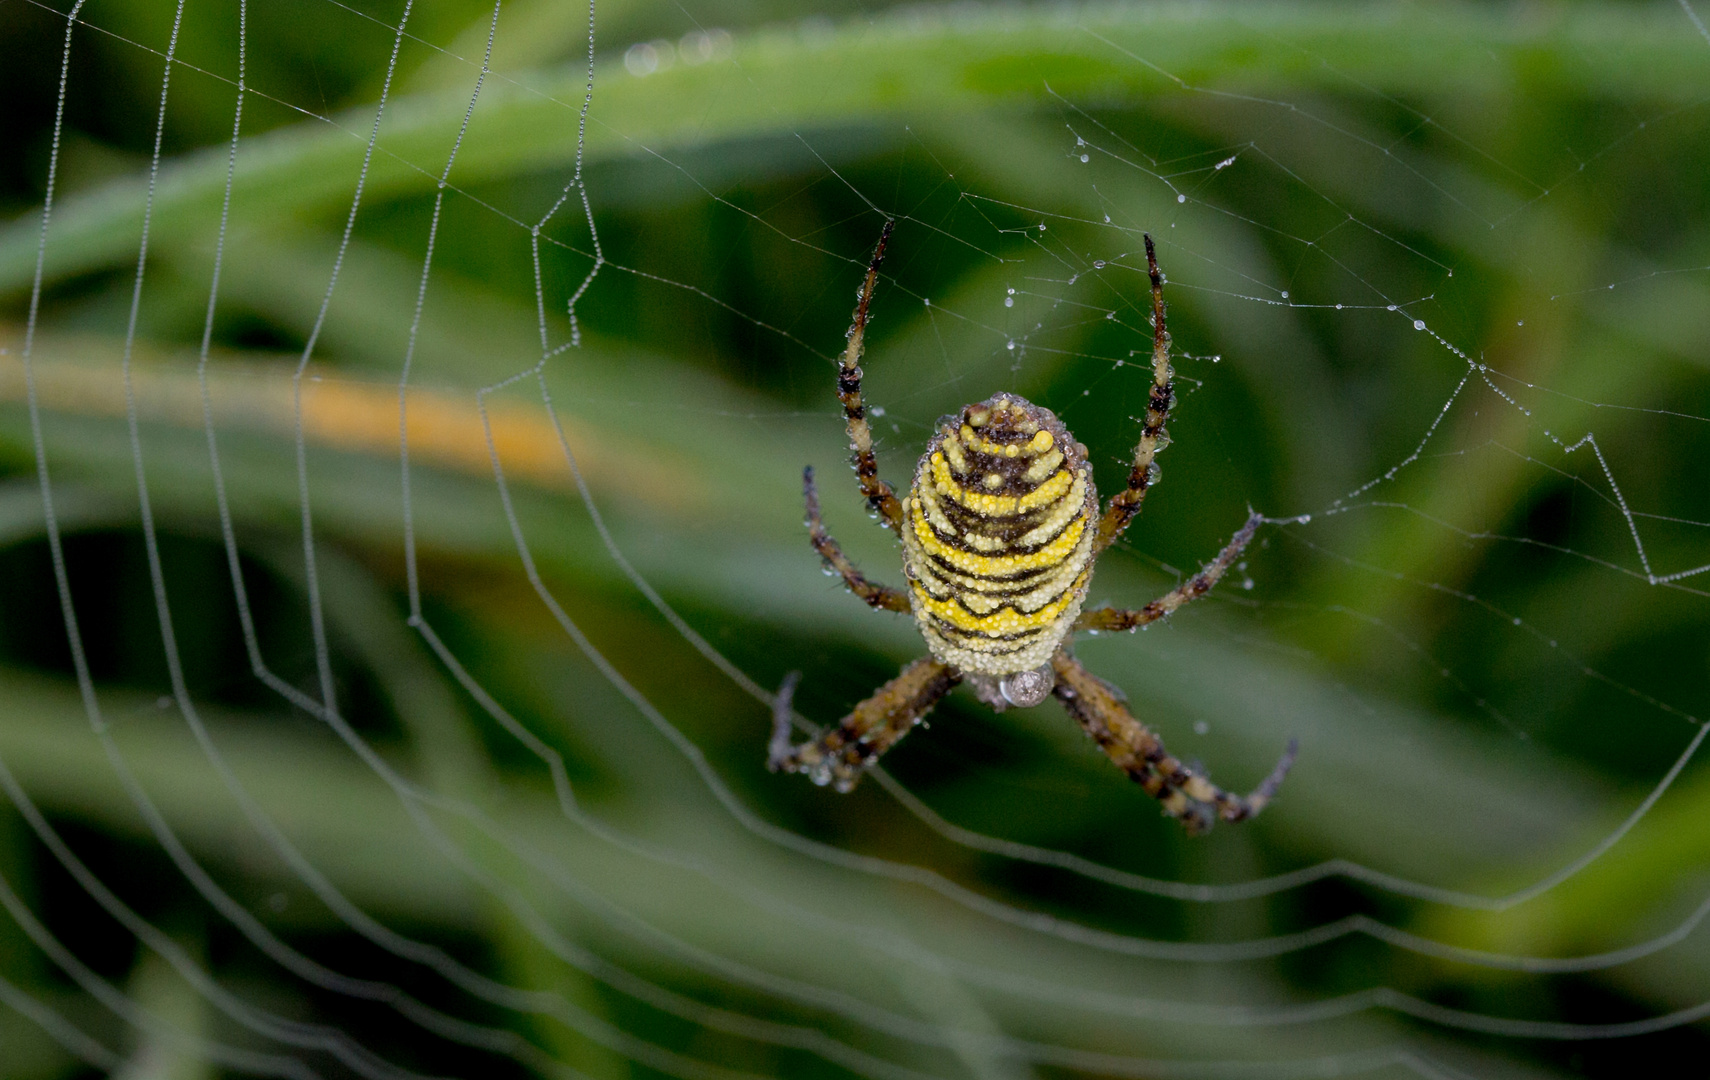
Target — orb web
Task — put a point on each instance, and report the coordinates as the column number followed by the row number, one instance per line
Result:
column 402, row 540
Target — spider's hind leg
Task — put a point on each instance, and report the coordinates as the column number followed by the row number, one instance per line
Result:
column 842, row 754
column 1185, row 794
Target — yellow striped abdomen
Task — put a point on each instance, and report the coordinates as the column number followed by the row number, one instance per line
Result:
column 998, row 530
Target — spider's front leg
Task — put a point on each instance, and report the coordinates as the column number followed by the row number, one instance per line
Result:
column 841, row 755
column 1108, row 618
column 1142, row 473
column 882, row 597
column 1184, row 793
column 881, row 497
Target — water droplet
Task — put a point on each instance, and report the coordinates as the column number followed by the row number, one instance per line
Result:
column 1516, row 620
column 1200, row 727
column 1011, row 345
column 1153, row 474
column 1285, row 294
column 1098, row 264
column 877, row 410
column 1011, row 291
column 1522, row 322
column 1041, row 226
column 1418, row 324
column 1085, row 159
column 1181, row 198
column 1107, row 219
column 1392, row 307
column 1338, row 307
column 1009, row 301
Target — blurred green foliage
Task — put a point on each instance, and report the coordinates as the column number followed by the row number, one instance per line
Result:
column 1484, row 676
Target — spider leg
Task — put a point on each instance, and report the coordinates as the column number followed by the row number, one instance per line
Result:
column 1108, row 618
column 1126, row 503
column 842, row 754
column 881, row 497
column 1185, row 794
column 882, row 597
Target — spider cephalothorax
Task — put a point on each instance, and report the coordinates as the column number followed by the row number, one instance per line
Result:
column 1000, row 530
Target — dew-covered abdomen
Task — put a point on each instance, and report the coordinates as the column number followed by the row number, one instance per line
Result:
column 998, row 530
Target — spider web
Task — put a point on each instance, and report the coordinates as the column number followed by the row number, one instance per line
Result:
column 456, row 768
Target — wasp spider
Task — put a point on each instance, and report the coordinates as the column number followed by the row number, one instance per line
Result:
column 1000, row 530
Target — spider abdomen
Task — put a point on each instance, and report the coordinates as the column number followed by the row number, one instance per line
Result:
column 998, row 529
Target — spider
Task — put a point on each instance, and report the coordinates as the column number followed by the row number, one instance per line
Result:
column 1000, row 530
